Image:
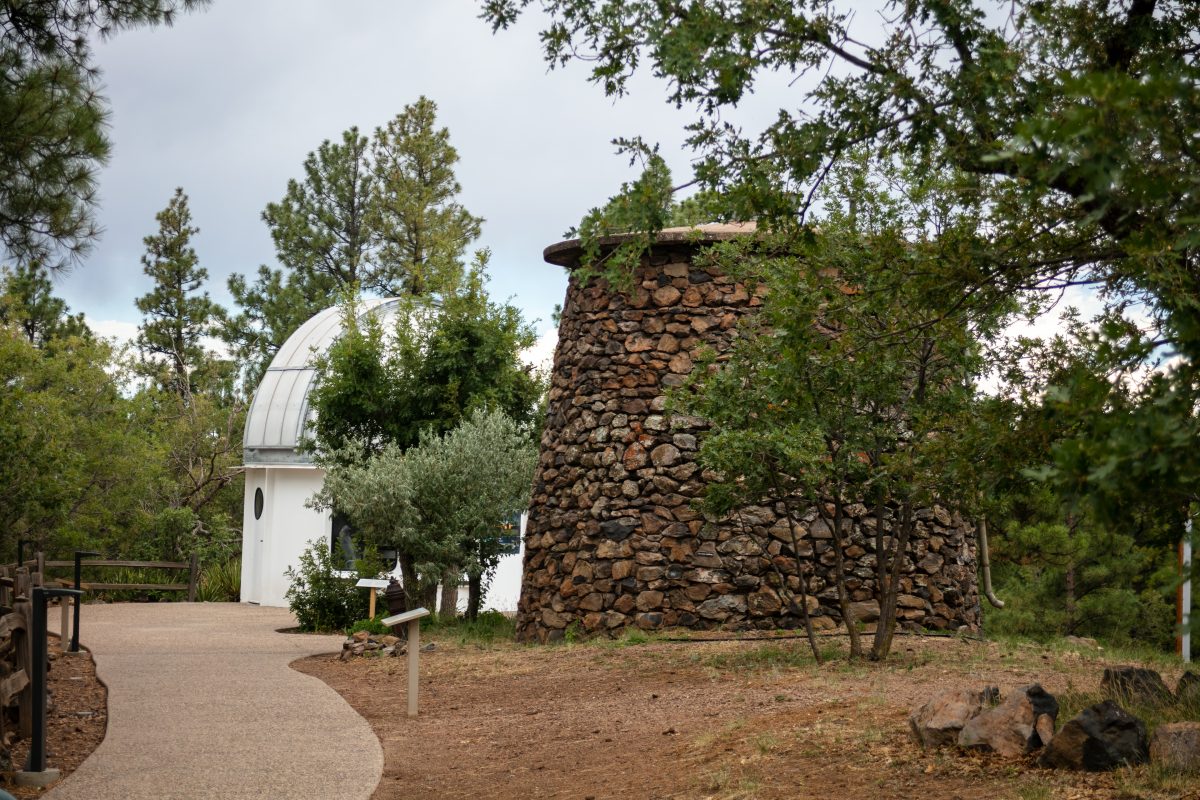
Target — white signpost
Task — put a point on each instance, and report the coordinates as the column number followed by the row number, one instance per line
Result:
column 413, row 618
column 374, row 584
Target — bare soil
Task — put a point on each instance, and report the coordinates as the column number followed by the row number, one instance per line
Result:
column 77, row 718
column 729, row 719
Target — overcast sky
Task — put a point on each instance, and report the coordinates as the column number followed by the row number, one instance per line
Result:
column 228, row 102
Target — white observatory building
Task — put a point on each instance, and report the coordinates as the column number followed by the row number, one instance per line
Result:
column 280, row 478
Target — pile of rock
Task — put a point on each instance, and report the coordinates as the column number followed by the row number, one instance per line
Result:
column 1102, row 737
column 363, row 643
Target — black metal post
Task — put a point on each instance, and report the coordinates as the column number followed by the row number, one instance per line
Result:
column 40, row 656
column 79, row 554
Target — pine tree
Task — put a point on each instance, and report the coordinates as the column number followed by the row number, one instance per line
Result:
column 424, row 229
column 177, row 313
column 378, row 214
column 52, row 119
column 27, row 300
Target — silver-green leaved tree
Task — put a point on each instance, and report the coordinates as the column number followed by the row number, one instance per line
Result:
column 441, row 504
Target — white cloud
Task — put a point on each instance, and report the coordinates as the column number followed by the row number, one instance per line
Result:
column 541, row 355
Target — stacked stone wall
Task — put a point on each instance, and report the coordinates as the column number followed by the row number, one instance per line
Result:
column 614, row 538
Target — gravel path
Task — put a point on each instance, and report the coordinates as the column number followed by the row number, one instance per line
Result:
column 202, row 704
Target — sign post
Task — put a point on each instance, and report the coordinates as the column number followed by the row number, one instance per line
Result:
column 413, row 618
column 374, row 584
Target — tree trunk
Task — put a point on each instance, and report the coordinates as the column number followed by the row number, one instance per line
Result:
column 882, row 573
column 803, row 579
column 429, row 596
column 411, row 580
column 474, row 596
column 888, row 600
column 449, row 606
column 840, row 576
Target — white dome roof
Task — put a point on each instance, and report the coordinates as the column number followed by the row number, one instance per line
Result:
column 280, row 415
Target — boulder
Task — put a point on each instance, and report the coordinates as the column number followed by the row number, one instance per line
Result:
column 1188, row 689
column 940, row 719
column 1021, row 724
column 1176, row 746
column 1102, row 737
column 1135, row 685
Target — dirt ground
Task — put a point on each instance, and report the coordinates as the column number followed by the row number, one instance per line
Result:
column 732, row 719
column 77, row 719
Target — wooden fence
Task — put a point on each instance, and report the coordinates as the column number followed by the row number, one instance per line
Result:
column 192, row 567
column 16, row 653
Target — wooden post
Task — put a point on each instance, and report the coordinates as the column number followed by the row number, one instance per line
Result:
column 413, row 619
column 414, row 669
column 24, row 661
column 193, row 578
column 374, row 585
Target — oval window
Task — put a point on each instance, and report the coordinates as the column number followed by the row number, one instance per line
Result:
column 258, row 503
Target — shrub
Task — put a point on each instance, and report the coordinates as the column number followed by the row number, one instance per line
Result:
column 321, row 599
column 373, row 626
column 221, row 582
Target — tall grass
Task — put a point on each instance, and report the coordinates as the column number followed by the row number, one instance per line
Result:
column 491, row 627
column 221, row 582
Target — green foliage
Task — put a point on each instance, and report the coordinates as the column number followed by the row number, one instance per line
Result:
column 321, row 599
column 373, row 625
column 220, row 581
column 423, row 229
column 177, row 313
column 441, row 503
column 379, row 215
column 430, row 373
column 53, row 119
column 847, row 387
column 27, row 300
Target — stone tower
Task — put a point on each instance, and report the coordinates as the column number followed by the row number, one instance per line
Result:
column 613, row 538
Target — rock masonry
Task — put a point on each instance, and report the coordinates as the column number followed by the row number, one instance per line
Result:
column 613, row 538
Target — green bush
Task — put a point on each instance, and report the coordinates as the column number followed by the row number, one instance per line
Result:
column 319, row 597
column 373, row 626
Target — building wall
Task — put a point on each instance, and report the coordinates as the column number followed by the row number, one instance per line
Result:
column 274, row 541
column 614, row 538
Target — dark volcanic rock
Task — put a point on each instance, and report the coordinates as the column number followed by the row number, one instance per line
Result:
column 1188, row 688
column 1135, row 685
column 1102, row 737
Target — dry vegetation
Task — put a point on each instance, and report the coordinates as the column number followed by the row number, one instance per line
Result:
column 730, row 719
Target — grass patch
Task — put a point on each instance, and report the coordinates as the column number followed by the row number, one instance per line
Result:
column 1038, row 792
column 490, row 628
column 763, row 657
column 629, row 637
column 1153, row 782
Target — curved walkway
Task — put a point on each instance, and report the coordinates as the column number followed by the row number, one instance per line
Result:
column 202, row 704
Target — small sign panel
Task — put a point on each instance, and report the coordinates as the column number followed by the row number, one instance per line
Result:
column 372, row 583
column 407, row 616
